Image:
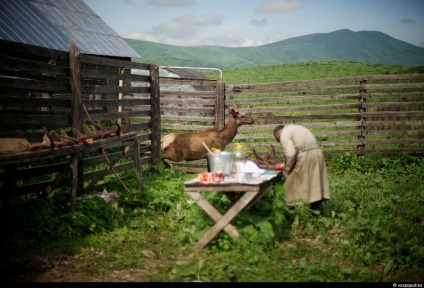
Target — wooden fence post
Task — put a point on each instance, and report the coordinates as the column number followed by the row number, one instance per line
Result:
column 155, row 108
column 137, row 164
column 76, row 120
column 220, row 105
column 362, row 109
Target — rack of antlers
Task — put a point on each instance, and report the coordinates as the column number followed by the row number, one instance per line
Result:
column 266, row 160
column 55, row 140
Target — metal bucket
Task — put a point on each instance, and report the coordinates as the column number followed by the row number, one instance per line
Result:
column 221, row 162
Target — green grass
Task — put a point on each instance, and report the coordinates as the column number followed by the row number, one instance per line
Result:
column 305, row 71
column 368, row 232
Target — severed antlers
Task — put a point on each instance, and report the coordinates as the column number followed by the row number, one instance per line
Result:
column 267, row 160
column 54, row 140
column 97, row 132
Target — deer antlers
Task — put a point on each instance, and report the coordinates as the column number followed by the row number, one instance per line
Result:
column 266, row 160
column 54, row 140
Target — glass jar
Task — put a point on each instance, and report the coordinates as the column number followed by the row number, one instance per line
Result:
column 239, row 158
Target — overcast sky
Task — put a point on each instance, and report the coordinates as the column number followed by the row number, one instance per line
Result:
column 241, row 23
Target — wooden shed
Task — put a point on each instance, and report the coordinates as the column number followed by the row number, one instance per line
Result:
column 61, row 66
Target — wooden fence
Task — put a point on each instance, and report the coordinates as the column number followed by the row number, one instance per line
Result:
column 61, row 91
column 363, row 114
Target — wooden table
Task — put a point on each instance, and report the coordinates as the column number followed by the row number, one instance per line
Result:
column 250, row 190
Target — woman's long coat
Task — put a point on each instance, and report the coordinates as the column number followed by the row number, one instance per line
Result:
column 305, row 167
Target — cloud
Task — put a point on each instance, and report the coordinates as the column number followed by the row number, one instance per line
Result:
column 175, row 29
column 129, row 2
column 169, row 3
column 422, row 44
column 275, row 37
column 260, row 22
column 227, row 39
column 186, row 25
column 406, row 20
column 190, row 19
column 142, row 36
column 278, row 6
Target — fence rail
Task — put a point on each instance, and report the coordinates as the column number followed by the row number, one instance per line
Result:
column 360, row 115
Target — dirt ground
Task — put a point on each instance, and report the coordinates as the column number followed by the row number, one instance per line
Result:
column 58, row 271
column 61, row 275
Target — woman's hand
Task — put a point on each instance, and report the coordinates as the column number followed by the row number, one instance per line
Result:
column 279, row 166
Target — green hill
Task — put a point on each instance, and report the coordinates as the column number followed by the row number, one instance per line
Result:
column 343, row 45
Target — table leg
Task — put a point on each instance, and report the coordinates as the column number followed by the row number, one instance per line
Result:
column 223, row 222
column 213, row 213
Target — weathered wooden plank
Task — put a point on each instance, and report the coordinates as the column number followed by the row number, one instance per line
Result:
column 186, row 127
column 113, row 76
column 43, row 169
column 114, row 89
column 306, row 124
column 155, row 113
column 260, row 89
column 302, row 108
column 395, row 95
column 201, row 109
column 394, row 113
column 393, row 141
column 11, row 47
column 371, row 123
column 203, row 94
column 102, row 116
column 225, row 220
column 137, row 164
column 187, row 101
column 286, row 98
column 392, row 104
column 116, row 102
column 44, row 86
column 89, row 176
column 220, row 105
column 394, row 86
column 19, row 64
column 403, row 132
column 27, row 157
column 317, row 134
column 186, row 81
column 97, row 60
column 34, row 102
column 327, row 81
column 213, row 213
column 268, row 118
column 32, row 120
column 188, row 118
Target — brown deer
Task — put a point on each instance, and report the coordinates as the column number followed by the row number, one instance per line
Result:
column 188, row 146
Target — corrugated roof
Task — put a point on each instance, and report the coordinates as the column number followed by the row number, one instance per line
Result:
column 55, row 24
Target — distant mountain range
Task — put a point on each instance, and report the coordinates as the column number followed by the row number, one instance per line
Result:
column 343, row 45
